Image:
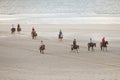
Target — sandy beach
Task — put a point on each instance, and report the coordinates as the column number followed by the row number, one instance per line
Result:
column 20, row 58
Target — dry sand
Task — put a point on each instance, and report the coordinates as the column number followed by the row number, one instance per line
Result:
column 20, row 58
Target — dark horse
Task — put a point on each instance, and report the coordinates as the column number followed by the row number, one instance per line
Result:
column 74, row 47
column 33, row 34
column 103, row 45
column 92, row 45
column 60, row 37
column 13, row 30
column 18, row 28
column 42, row 48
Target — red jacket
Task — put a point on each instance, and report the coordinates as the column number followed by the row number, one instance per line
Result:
column 103, row 40
column 33, row 29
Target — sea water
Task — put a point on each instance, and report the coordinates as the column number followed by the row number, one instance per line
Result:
column 60, row 11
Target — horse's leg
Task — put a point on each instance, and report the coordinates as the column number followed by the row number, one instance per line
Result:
column 106, row 48
column 88, row 48
column 40, row 50
column 71, row 49
column 92, row 48
column 32, row 36
column 77, row 50
column 43, row 51
column 101, row 48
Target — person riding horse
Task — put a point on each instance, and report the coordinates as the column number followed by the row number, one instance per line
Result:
column 103, row 44
column 18, row 28
column 91, row 44
column 74, row 46
column 60, row 35
column 13, row 29
column 33, row 33
column 42, row 47
column 90, row 41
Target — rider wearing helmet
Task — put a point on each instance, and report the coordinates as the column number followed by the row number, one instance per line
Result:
column 60, row 34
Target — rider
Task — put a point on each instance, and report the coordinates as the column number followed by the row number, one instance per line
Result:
column 60, row 33
column 42, row 43
column 103, row 40
column 74, row 42
column 33, row 29
column 18, row 26
column 12, row 25
column 90, row 41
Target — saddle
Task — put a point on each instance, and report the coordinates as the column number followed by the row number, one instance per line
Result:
column 18, row 29
column 90, row 44
column 60, row 36
column 103, row 44
column 74, row 46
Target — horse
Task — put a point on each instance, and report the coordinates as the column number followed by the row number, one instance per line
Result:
column 104, row 45
column 60, row 37
column 18, row 29
column 74, row 47
column 13, row 30
column 42, row 48
column 33, row 34
column 92, row 45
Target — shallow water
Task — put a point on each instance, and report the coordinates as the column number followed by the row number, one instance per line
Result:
column 60, row 11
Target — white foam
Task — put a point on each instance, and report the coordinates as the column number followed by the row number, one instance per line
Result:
column 57, row 19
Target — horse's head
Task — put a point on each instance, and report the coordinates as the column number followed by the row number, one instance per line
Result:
column 106, row 42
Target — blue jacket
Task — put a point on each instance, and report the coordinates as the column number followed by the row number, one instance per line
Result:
column 60, row 33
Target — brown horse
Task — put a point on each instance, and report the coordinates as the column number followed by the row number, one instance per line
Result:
column 103, row 45
column 92, row 45
column 74, row 47
column 33, row 34
column 42, row 48
column 13, row 30
column 60, row 37
column 18, row 29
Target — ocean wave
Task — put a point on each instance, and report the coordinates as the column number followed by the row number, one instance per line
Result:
column 59, row 18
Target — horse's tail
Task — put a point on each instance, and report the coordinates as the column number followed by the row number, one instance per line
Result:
column 88, row 44
column 71, row 47
column 95, row 44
